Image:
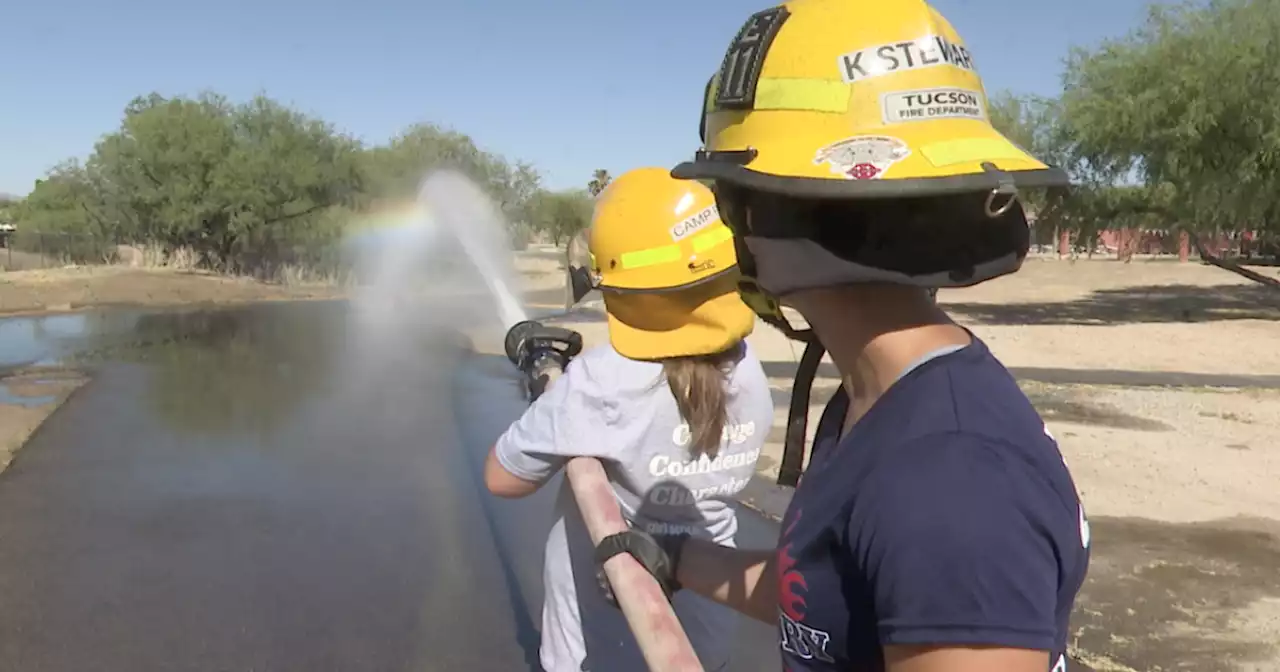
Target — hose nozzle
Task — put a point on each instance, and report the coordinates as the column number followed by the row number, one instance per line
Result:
column 535, row 349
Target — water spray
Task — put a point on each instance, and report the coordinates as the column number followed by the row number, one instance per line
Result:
column 461, row 207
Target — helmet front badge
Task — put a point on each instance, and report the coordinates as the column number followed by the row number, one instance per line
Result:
column 865, row 157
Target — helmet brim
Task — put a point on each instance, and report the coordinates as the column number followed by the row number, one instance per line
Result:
column 709, row 166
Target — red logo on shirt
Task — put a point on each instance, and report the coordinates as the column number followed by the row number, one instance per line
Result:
column 794, row 637
column 789, row 578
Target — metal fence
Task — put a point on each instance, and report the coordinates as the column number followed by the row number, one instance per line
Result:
column 27, row 250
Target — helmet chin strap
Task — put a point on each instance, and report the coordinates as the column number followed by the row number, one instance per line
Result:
column 798, row 415
column 768, row 308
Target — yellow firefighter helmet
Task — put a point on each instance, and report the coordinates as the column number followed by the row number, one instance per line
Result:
column 858, row 133
column 666, row 265
column 840, row 99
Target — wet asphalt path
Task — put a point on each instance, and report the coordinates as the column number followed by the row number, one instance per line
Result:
column 262, row 490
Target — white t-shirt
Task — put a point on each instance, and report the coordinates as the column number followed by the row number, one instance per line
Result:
column 621, row 411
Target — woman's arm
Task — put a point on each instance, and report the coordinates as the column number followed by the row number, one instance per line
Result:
column 963, row 659
column 962, row 547
column 743, row 580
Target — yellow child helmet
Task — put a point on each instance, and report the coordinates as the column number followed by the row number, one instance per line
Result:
column 840, row 99
column 666, row 266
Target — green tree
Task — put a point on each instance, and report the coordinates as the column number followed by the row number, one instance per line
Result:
column 8, row 208
column 1188, row 107
column 252, row 187
column 244, row 186
column 519, row 189
column 396, row 170
column 562, row 214
column 63, row 201
column 62, row 218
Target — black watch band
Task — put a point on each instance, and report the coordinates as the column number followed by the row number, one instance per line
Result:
column 660, row 560
column 611, row 546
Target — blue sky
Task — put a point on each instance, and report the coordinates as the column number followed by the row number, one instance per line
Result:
column 548, row 82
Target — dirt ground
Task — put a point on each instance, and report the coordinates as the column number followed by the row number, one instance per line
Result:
column 74, row 288
column 1142, row 316
column 1178, row 481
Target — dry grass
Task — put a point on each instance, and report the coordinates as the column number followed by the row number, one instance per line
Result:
column 153, row 256
column 294, row 275
column 157, row 257
column 66, row 289
column 152, row 276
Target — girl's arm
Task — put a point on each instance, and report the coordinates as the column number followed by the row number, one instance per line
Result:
column 571, row 419
column 503, row 483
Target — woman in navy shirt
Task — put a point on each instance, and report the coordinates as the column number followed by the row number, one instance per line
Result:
column 936, row 527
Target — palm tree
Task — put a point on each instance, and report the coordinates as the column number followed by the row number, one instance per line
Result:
column 599, row 180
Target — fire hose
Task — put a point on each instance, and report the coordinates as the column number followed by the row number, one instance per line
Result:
column 542, row 353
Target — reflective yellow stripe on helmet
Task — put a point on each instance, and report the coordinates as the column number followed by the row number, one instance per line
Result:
column 708, row 240
column 811, row 95
column 795, row 93
column 963, row 150
column 650, row 257
column 671, row 253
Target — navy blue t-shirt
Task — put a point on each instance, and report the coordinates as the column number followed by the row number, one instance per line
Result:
column 946, row 516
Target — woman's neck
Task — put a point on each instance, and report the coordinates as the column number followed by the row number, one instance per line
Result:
column 869, row 369
column 873, row 332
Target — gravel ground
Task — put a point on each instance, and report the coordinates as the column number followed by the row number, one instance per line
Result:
column 1144, row 316
column 1180, row 489
column 1174, row 455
